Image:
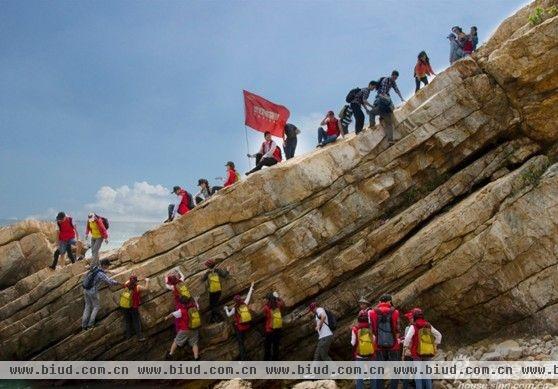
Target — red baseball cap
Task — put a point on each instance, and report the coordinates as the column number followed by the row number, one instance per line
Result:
column 313, row 305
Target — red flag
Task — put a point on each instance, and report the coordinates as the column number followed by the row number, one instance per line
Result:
column 263, row 115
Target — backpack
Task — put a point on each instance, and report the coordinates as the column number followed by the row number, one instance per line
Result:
column 191, row 204
column 365, row 345
column 426, row 344
column 214, row 282
column 343, row 111
column 386, row 337
column 351, row 95
column 195, row 318
column 183, row 290
column 331, row 320
column 276, row 319
column 105, row 222
column 126, row 298
column 244, row 314
column 89, row 279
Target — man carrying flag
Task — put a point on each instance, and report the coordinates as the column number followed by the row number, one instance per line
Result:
column 268, row 155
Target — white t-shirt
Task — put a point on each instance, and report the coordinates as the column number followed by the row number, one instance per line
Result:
column 325, row 331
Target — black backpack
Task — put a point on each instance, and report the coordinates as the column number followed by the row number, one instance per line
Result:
column 351, row 95
column 105, row 222
column 331, row 320
column 386, row 337
column 380, row 81
column 89, row 279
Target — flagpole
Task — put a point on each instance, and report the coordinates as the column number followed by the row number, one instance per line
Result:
column 247, row 146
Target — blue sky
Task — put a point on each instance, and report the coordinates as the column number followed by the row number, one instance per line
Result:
column 106, row 104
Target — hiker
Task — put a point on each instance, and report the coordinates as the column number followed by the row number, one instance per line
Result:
column 242, row 319
column 174, row 280
column 455, row 50
column 362, row 340
column 333, row 131
column 97, row 226
column 232, row 177
column 182, row 206
column 384, row 321
column 463, row 40
column 363, row 304
column 422, row 340
column 406, row 352
column 422, row 70
column 289, row 140
column 213, row 279
column 273, row 325
column 358, row 97
column 387, row 83
column 325, row 334
column 91, row 283
column 345, row 117
column 204, row 193
column 130, row 300
column 67, row 236
column 268, row 155
column 187, row 323
column 474, row 37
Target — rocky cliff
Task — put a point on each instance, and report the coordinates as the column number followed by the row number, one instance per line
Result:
column 458, row 217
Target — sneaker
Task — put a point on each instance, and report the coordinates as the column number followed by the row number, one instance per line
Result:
column 197, row 359
column 168, row 356
column 320, row 145
column 142, row 339
column 52, row 267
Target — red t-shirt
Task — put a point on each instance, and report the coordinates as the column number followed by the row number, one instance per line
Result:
column 332, row 127
column 231, row 177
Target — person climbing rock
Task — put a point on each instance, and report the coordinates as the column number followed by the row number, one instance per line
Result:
column 422, row 340
column 422, row 70
column 359, row 97
column 91, row 283
column 269, row 154
column 333, row 131
column 213, row 281
column 362, row 340
column 273, row 324
column 97, row 227
column 384, row 321
column 183, row 204
column 130, row 300
column 325, row 333
column 174, row 281
column 289, row 140
column 242, row 319
column 387, row 83
column 67, row 237
column 187, row 323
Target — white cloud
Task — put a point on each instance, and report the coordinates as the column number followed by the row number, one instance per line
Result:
column 49, row 214
column 141, row 202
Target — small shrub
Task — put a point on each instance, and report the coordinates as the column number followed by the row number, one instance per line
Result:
column 537, row 16
column 552, row 11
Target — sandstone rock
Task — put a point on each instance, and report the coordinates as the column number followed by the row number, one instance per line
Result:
column 457, row 217
column 322, row 384
column 233, row 384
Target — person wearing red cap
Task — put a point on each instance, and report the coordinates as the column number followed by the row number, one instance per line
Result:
column 384, row 321
column 325, row 334
column 186, row 329
column 406, row 352
column 212, row 277
column 131, row 313
column 173, row 278
column 242, row 320
column 333, row 130
column 411, row 343
column 273, row 324
column 362, row 340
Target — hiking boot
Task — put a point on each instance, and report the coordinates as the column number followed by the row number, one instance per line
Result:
column 168, row 356
column 52, row 267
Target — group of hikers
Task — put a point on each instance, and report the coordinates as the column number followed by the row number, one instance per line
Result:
column 461, row 44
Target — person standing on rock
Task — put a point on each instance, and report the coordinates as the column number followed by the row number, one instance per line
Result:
column 67, row 237
column 187, row 324
column 333, row 130
column 363, row 304
column 387, row 83
column 474, row 37
column 98, row 231
column 357, row 98
column 422, row 340
column 273, row 324
column 362, row 340
column 289, row 140
column 91, row 283
column 384, row 321
column 242, row 319
column 325, row 334
column 422, row 70
column 183, row 204
column 213, row 281
column 406, row 352
column 345, row 118
column 130, row 300
column 269, row 154
column 456, row 52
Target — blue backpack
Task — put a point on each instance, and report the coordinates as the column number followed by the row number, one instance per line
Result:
column 89, row 280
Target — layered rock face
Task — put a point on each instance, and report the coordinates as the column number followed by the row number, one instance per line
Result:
column 457, row 217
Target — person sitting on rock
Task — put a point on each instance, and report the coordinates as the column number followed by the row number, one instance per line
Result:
column 187, row 323
column 213, row 280
column 232, row 177
column 183, row 204
column 422, row 340
column 172, row 279
column 273, row 324
column 91, row 283
column 204, row 193
column 333, row 130
column 130, row 300
column 67, row 237
column 242, row 319
column 362, row 341
column 269, row 154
